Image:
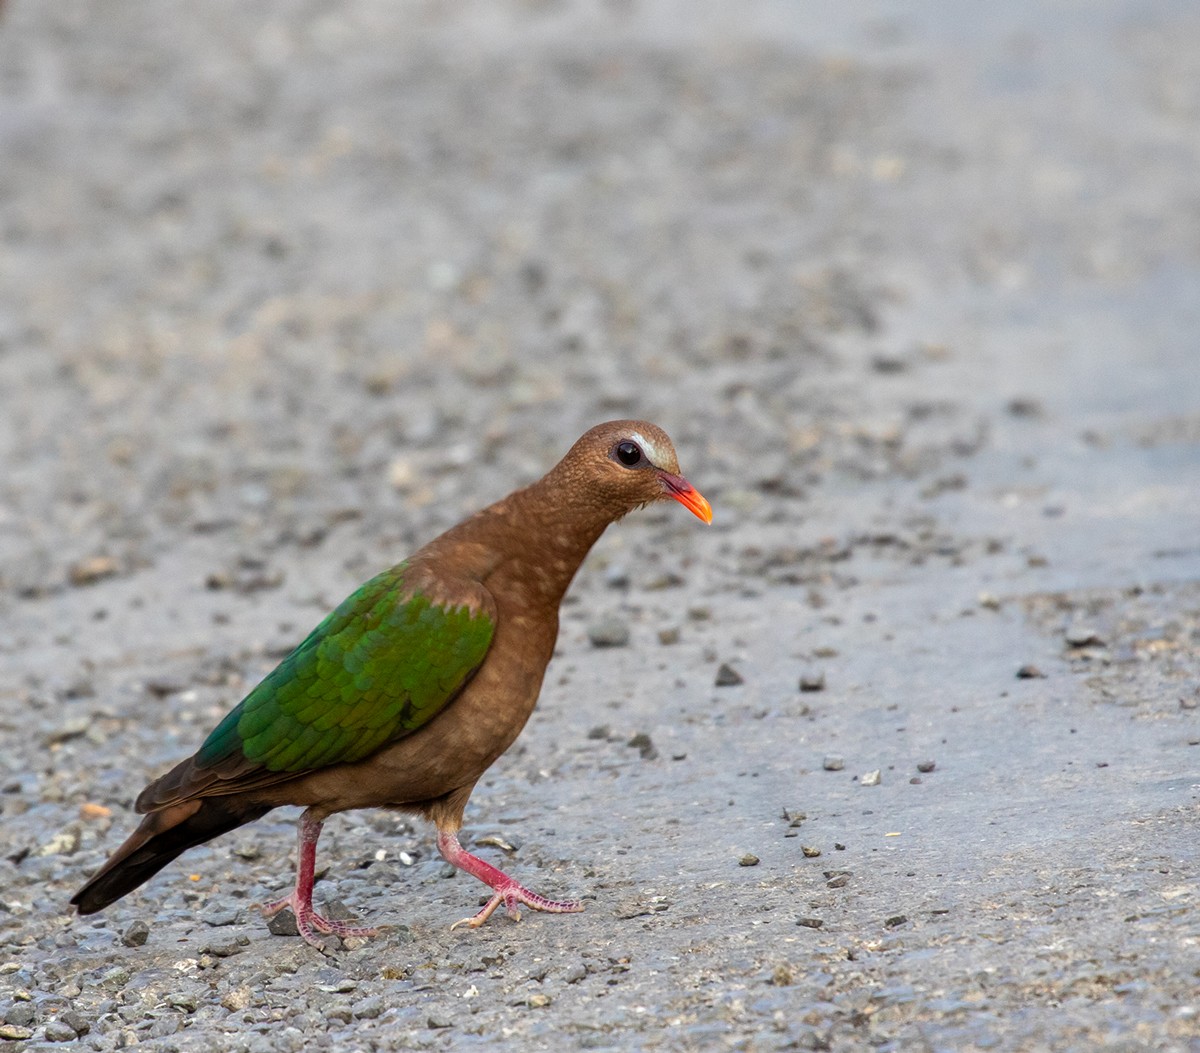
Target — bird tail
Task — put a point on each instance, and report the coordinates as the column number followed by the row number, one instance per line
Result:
column 161, row 837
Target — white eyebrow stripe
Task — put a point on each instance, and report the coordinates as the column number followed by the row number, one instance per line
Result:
column 648, row 448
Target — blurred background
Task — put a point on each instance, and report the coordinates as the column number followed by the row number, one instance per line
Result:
column 361, row 238
column 361, row 242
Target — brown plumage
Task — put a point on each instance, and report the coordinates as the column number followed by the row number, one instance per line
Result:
column 408, row 692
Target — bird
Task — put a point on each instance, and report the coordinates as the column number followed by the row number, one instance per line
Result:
column 410, row 689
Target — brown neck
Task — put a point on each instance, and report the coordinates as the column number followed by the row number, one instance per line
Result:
column 531, row 543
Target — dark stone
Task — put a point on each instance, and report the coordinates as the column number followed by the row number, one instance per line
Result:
column 727, row 676
column 136, row 935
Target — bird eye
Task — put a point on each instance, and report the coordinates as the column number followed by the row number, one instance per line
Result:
column 629, row 453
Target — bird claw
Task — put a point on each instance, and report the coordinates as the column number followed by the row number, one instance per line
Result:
column 341, row 929
column 308, row 920
column 505, row 889
column 511, row 897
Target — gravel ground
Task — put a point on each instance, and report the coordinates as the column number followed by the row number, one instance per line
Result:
column 902, row 753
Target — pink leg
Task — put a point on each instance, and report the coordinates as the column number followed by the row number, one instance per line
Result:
column 508, row 891
column 300, row 898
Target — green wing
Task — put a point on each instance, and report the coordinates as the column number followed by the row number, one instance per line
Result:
column 378, row 667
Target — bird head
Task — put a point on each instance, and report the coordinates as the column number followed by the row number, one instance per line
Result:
column 630, row 463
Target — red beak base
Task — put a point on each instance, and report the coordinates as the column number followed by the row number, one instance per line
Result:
column 687, row 495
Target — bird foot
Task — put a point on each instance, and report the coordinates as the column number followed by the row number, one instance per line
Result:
column 511, row 896
column 507, row 890
column 309, row 922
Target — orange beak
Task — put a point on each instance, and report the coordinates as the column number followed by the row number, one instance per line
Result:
column 687, row 495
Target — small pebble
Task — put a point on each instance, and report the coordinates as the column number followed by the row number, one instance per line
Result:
column 161, row 686
column 641, row 906
column 87, row 572
column 76, row 1021
column 609, row 631
column 283, row 924
column 926, row 766
column 136, row 935
column 748, row 860
column 888, row 363
column 727, row 676
column 575, row 973
column 833, row 762
column 74, row 728
column 1030, row 672
column 22, row 1014
column 616, row 577
column 871, row 778
column 668, row 636
column 90, row 810
column 669, row 580
column 59, row 1031
column 368, row 1008
column 15, row 1033
column 810, row 851
column 64, row 843
column 643, row 744
column 238, row 999
column 895, row 920
column 1083, row 636
column 810, row 923
column 538, row 1000
column 1025, row 407
column 812, row 682
column 335, row 908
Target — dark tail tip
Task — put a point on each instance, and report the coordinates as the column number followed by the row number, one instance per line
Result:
column 161, row 837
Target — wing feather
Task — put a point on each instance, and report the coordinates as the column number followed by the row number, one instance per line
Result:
column 377, row 668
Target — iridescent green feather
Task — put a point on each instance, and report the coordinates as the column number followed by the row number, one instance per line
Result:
column 379, row 666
